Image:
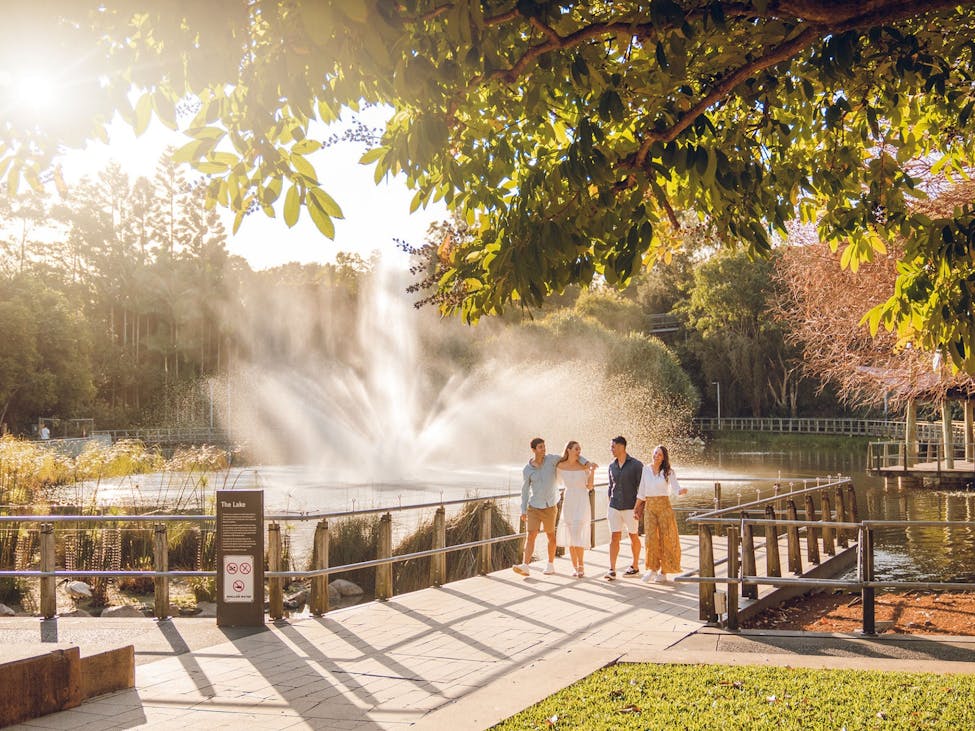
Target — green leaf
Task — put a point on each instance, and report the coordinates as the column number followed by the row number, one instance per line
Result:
column 292, row 206
column 321, row 219
column 324, row 201
column 143, row 113
column 206, row 133
column 306, row 146
column 376, row 153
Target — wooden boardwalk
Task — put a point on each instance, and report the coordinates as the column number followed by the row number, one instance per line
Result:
column 465, row 655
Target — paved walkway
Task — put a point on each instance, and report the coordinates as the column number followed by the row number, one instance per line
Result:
column 463, row 656
column 497, row 642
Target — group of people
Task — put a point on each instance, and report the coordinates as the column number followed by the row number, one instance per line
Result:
column 635, row 490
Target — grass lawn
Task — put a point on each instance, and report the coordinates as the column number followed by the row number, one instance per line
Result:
column 713, row 697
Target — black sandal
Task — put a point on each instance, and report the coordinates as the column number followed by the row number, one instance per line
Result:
column 632, row 571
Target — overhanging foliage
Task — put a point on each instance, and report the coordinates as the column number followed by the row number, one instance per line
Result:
column 568, row 134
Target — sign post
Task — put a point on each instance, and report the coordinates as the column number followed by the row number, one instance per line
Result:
column 240, row 558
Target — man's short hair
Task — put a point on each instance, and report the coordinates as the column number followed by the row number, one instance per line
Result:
column 619, row 440
column 536, row 441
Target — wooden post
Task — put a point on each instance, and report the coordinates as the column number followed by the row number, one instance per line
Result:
column 948, row 434
column 841, row 517
column 748, row 564
column 49, row 584
column 706, row 589
column 910, row 432
column 275, row 585
column 792, row 536
column 828, row 531
column 592, row 523
column 772, row 565
column 485, row 535
column 969, row 446
column 852, row 511
column 384, row 572
column 732, row 574
column 812, row 533
column 319, row 584
column 866, row 574
column 717, row 496
column 438, row 563
column 160, row 562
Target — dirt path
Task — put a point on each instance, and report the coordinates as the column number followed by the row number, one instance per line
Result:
column 919, row 613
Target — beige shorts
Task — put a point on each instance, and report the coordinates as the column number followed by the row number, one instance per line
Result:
column 621, row 520
column 541, row 519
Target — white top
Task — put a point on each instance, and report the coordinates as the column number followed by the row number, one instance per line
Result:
column 653, row 484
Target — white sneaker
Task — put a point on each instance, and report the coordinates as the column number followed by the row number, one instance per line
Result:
column 663, row 578
column 549, row 569
column 520, row 568
column 648, row 577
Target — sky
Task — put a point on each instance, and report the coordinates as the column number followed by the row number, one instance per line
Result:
column 374, row 214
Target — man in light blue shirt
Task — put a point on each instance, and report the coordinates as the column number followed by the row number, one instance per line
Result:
column 539, row 503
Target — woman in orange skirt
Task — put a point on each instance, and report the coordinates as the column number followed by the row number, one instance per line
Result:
column 658, row 484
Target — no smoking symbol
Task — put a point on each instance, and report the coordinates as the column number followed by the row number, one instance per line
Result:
column 239, row 586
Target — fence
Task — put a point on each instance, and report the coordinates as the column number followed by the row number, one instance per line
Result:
column 927, row 431
column 837, row 526
column 894, row 455
column 838, row 511
column 48, row 574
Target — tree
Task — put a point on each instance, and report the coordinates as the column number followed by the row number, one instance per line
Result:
column 46, row 364
column 569, row 134
column 739, row 344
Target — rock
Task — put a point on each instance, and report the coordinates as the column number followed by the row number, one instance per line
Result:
column 126, row 610
column 207, row 609
column 184, row 611
column 345, row 587
column 333, row 594
column 75, row 613
column 6, row 611
column 78, row 590
column 297, row 600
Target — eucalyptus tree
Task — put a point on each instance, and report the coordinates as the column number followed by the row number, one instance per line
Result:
column 570, row 134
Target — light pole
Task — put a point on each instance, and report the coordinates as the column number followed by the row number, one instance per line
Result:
column 717, row 386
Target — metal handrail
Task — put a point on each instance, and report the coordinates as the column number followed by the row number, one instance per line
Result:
column 720, row 512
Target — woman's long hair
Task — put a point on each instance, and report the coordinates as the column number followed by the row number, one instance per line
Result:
column 565, row 452
column 665, row 464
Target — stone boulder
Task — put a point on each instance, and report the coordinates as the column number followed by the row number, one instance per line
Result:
column 346, row 587
column 6, row 611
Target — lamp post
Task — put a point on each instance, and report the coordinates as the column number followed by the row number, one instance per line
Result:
column 717, row 386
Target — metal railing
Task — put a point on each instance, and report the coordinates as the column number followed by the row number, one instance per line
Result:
column 834, row 528
column 48, row 573
column 840, row 524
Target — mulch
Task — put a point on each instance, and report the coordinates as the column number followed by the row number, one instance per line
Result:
column 925, row 613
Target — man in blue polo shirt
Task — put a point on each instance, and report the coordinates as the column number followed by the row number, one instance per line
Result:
column 625, row 473
column 539, row 503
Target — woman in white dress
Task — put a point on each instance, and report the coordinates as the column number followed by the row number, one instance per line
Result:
column 577, row 481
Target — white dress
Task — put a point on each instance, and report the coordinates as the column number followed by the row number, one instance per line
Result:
column 576, row 515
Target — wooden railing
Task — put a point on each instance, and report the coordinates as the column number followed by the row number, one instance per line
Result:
column 838, row 525
column 927, row 431
column 834, row 525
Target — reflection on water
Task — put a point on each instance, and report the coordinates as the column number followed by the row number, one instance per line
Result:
column 912, row 553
